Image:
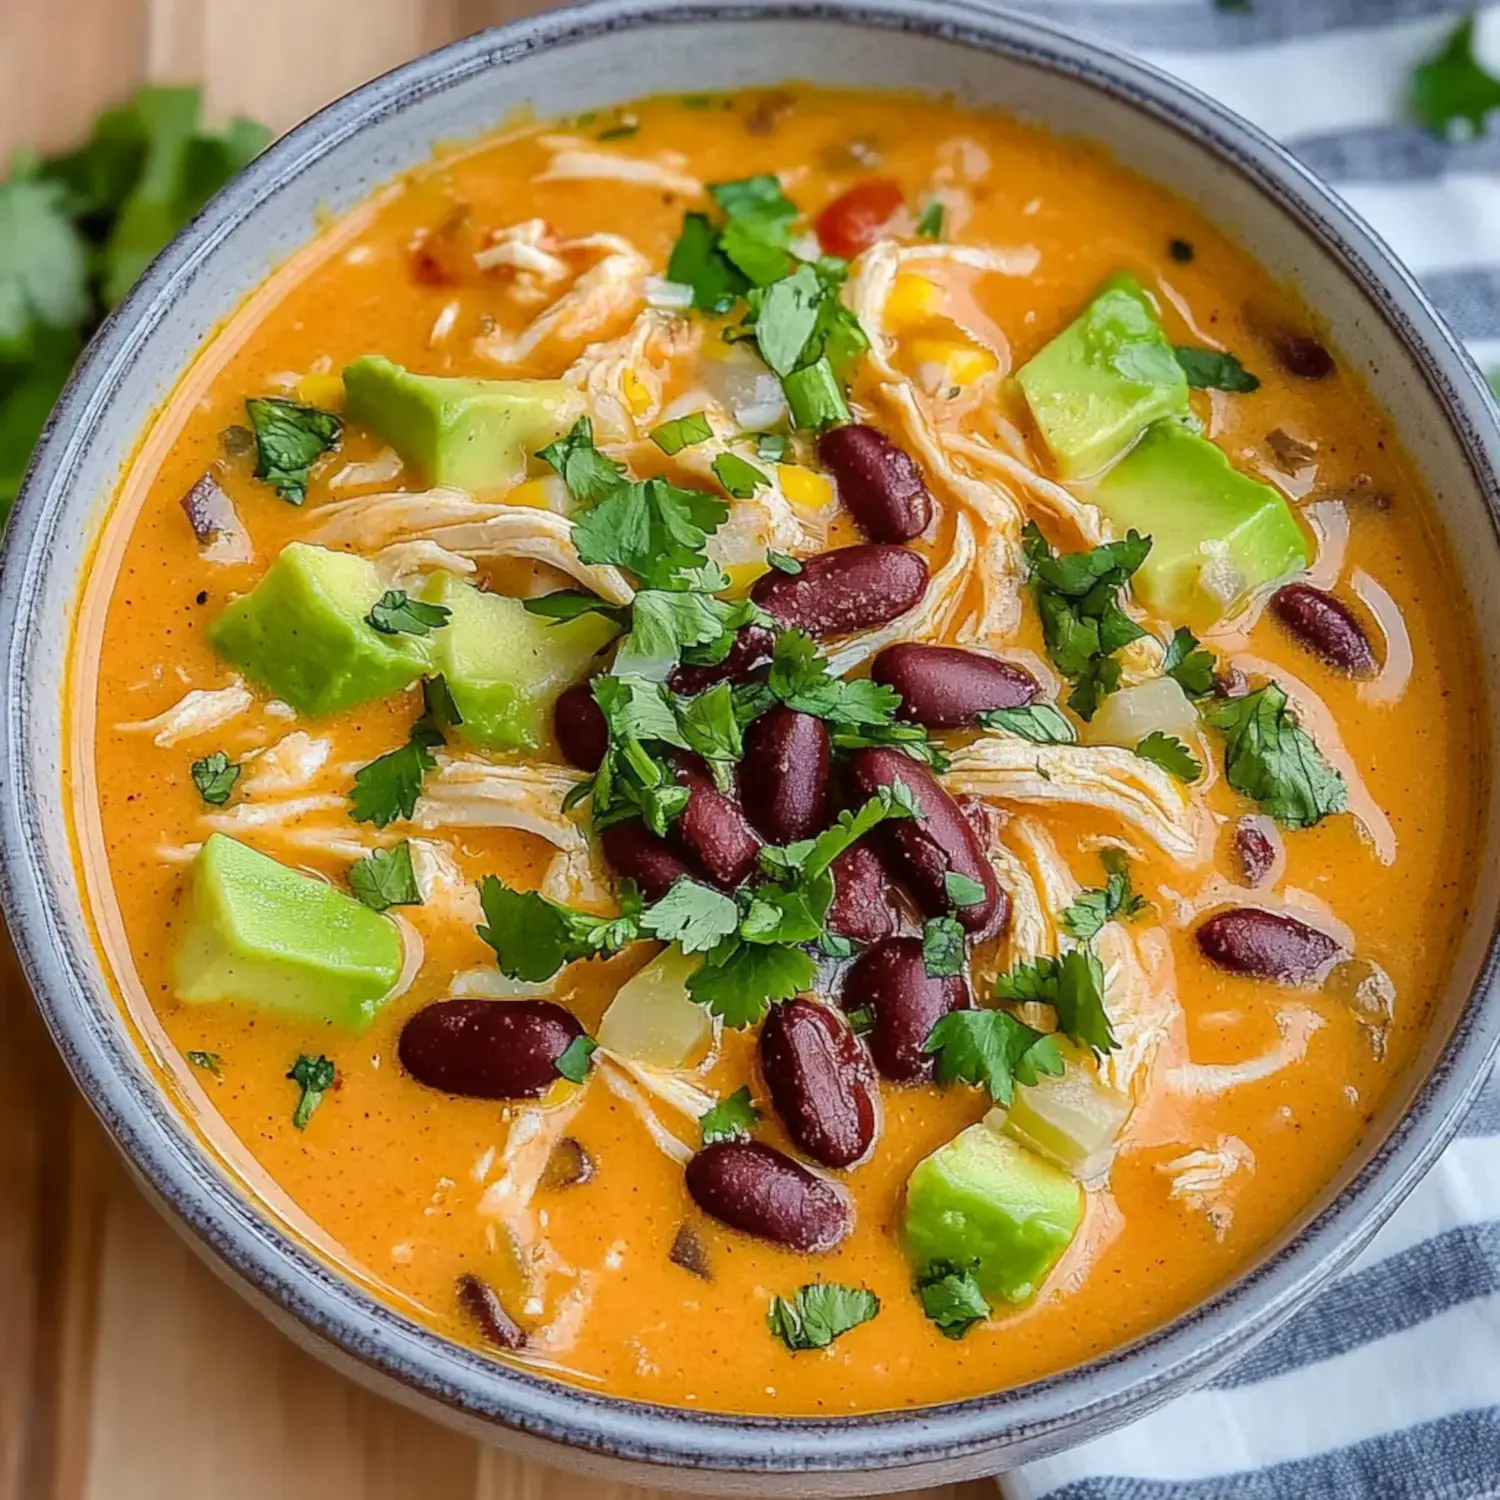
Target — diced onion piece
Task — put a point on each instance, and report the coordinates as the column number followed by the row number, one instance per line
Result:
column 654, row 1020
column 1072, row 1119
column 1128, row 716
column 671, row 296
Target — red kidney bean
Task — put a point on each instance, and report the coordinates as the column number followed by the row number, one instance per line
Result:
column 784, row 774
column 632, row 850
column 944, row 687
column 820, row 1080
column 1325, row 626
column 891, row 981
column 848, row 589
column 922, row 851
column 879, row 484
column 1301, row 355
column 1267, row 945
column 762, row 1191
column 488, row 1049
column 863, row 899
column 712, row 827
column 478, row 1299
column 1256, row 848
column 578, row 723
column 752, row 648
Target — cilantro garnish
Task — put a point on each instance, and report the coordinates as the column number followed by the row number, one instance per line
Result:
column 210, row 1062
column 1077, row 595
column 694, row 916
column 773, row 447
column 289, row 439
column 589, row 474
column 799, row 677
column 574, row 1061
column 819, row 1313
column 993, row 1049
column 739, row 980
column 1215, row 369
column 696, row 261
column 943, row 948
column 739, row 477
column 1073, row 985
column 909, row 738
column 534, row 937
column 215, row 776
column 1451, row 93
column 950, row 1296
column 783, row 563
column 930, row 224
column 731, row 1119
column 1171, row 755
column 385, row 878
column 389, row 786
column 655, row 529
column 1188, row 664
column 569, row 604
column 1041, row 723
column 397, row 613
column 1271, row 759
column 683, row 432
column 712, row 728
column 1086, row 916
column 315, row 1076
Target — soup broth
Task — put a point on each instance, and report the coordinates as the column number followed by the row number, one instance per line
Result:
column 1217, row 915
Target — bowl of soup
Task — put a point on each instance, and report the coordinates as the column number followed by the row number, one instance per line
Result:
column 752, row 745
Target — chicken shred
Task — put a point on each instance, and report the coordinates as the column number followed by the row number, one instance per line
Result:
column 195, row 713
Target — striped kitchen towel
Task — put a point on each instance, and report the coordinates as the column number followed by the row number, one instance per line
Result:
column 1388, row 1386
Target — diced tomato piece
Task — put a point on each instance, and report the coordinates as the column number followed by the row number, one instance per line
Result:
column 854, row 220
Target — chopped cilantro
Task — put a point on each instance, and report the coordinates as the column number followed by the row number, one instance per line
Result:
column 1188, row 664
column 698, row 262
column 861, row 1020
column 289, row 439
column 534, row 937
column 1086, row 916
column 731, row 1119
column 962, row 891
column 1171, row 755
column 385, row 878
column 694, row 916
column 397, row 613
column 748, row 196
column 1041, row 723
column 787, row 318
column 1272, row 760
column 943, row 948
column 210, row 1062
column 738, row 476
column 810, row 858
column 950, row 1296
column 739, row 980
column 439, row 711
column 655, row 529
column 574, row 1061
column 799, row 678
column 773, row 447
column 910, row 738
column 683, row 432
column 215, row 776
column 783, row 563
column 1215, row 369
column 569, row 604
column 819, row 1313
column 589, row 474
column 1452, row 94
column 1074, row 986
column 389, row 786
column 669, row 625
column 815, row 397
column 1077, row 596
column 930, row 224
column 315, row 1076
column 993, row 1049
column 711, row 727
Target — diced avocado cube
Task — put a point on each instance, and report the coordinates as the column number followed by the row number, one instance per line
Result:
column 302, row 633
column 504, row 666
column 473, row 434
column 259, row 934
column 985, row 1201
column 1216, row 534
column 1103, row 380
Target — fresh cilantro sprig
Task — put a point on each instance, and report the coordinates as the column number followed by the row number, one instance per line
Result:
column 1073, row 985
column 1271, row 759
column 993, row 1049
column 388, row 787
column 799, row 678
column 534, row 937
column 210, row 1062
column 215, row 776
column 1085, row 917
column 397, row 613
column 818, row 1313
column 1077, row 596
column 289, row 440
column 314, row 1076
column 950, row 1296
column 1215, row 369
column 731, row 1119
column 1041, row 723
column 1186, row 662
column 384, row 878
column 589, row 474
column 575, row 1060
column 1168, row 752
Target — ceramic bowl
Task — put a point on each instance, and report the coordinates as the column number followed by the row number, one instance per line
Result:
column 560, row 64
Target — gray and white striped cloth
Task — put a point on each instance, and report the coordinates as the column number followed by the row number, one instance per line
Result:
column 1388, row 1386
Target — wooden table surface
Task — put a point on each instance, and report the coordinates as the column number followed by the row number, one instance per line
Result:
column 127, row 1372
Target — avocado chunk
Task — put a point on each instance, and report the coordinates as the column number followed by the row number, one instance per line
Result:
column 1103, row 380
column 259, row 934
column 473, row 434
column 984, row 1200
column 506, row 667
column 302, row 633
column 1216, row 534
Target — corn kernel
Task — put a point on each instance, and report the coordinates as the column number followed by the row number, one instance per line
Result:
column 961, row 363
column 805, row 488
column 326, row 392
column 913, row 299
column 546, row 492
column 637, row 393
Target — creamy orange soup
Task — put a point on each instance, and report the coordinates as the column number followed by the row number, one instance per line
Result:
column 1209, row 1070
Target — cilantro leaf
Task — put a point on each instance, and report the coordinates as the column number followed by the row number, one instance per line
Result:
column 930, row 224
column 773, row 447
column 1080, row 1001
column 215, row 776
column 289, row 439
column 950, row 1296
column 1171, row 755
column 439, row 711
column 1086, row 916
column 819, row 1313
column 654, row 529
column 993, row 1049
column 576, row 1058
column 807, row 860
column 1271, row 759
column 683, row 432
column 1452, row 95
column 911, row 739
column 739, row 980
column 315, row 1076
column 385, row 878
column 783, row 563
column 534, row 937
column 210, row 1062
column 589, row 474
column 800, row 678
column 753, row 195
column 569, row 604
column 731, row 1119
column 668, row 623
column 712, row 728
column 397, row 613
column 1215, row 369
column 1188, row 665
column 943, row 949
column 693, row 915
column 698, row 262
column 778, row 915
column 1041, row 723
column 787, row 318
column 962, row 891
column 738, row 476
column 389, row 786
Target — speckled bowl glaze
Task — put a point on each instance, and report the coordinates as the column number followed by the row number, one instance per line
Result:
column 562, row 63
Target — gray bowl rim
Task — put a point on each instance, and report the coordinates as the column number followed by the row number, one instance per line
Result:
column 1017, row 1423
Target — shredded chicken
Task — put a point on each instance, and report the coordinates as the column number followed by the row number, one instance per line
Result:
column 194, row 714
column 1199, row 1179
column 272, row 815
column 534, row 1133
column 524, row 247
column 625, row 1087
column 624, row 379
column 408, row 562
column 1057, row 501
column 289, row 765
column 668, row 1086
column 441, row 884
column 574, row 161
column 470, row 792
column 576, row 878
column 1296, row 1025
column 384, row 468
column 758, row 522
